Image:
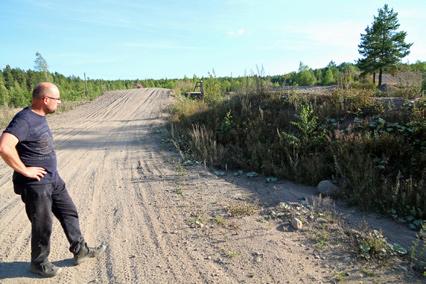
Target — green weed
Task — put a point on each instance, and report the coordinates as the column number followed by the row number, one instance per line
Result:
column 321, row 239
column 196, row 220
column 219, row 220
column 340, row 276
column 179, row 190
column 373, row 245
column 180, row 169
column 367, row 272
column 230, row 253
column 242, row 209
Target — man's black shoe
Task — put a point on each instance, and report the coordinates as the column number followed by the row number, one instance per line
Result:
column 87, row 252
column 47, row 269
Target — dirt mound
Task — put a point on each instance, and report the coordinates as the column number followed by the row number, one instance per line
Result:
column 403, row 79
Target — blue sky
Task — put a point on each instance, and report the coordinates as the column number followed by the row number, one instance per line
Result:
column 128, row 39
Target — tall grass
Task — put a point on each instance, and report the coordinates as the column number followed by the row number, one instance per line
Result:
column 204, row 145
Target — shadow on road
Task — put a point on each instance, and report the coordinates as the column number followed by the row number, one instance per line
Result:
column 21, row 269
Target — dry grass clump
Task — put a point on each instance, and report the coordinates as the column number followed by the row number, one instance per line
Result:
column 185, row 107
column 242, row 209
column 204, row 145
column 183, row 86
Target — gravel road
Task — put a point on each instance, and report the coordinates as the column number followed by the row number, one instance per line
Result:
column 159, row 219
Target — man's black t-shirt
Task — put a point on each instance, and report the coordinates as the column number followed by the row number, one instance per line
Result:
column 35, row 146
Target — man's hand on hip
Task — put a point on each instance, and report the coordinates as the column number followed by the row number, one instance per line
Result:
column 9, row 154
column 35, row 173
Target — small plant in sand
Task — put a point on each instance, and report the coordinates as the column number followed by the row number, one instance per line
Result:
column 179, row 190
column 219, row 220
column 180, row 169
column 340, row 276
column 242, row 209
column 230, row 253
column 321, row 238
column 196, row 220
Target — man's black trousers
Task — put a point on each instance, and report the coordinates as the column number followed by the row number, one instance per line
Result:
column 41, row 200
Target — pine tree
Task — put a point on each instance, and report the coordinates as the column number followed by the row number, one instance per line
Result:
column 305, row 76
column 347, row 75
column 318, row 73
column 8, row 77
column 369, row 49
column 328, row 78
column 382, row 47
column 18, row 96
column 40, row 64
column 3, row 92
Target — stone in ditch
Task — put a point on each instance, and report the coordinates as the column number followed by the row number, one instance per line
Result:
column 271, row 179
column 322, row 221
column 326, row 187
column 219, row 173
column 257, row 257
column 251, row 174
column 399, row 249
column 283, row 205
column 188, row 163
column 296, row 223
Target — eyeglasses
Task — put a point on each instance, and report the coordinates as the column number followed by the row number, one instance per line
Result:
column 58, row 99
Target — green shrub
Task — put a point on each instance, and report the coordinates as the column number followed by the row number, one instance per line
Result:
column 377, row 156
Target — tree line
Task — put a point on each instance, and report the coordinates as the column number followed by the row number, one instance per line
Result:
column 16, row 85
column 345, row 75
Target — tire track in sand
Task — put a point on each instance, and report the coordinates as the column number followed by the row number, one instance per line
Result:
column 123, row 185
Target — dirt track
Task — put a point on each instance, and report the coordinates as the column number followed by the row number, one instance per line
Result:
column 131, row 192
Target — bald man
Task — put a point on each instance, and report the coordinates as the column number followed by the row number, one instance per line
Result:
column 26, row 145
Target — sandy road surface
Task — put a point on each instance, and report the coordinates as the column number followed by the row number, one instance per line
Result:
column 132, row 194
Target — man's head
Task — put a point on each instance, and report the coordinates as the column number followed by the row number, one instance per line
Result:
column 46, row 97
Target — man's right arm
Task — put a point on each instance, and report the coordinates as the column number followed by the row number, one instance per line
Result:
column 9, row 154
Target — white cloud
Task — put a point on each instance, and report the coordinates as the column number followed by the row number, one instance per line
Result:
column 80, row 59
column 343, row 34
column 410, row 13
column 332, row 40
column 238, row 33
column 158, row 45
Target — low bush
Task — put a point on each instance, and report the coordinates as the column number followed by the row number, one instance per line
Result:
column 376, row 155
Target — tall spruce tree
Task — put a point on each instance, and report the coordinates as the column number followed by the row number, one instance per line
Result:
column 382, row 46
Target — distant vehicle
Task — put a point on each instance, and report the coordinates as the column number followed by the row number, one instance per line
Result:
column 138, row 86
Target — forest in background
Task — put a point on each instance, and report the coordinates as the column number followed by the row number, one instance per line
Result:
column 16, row 84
